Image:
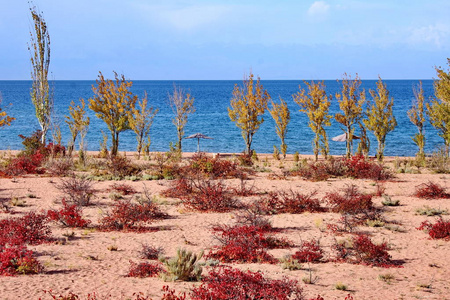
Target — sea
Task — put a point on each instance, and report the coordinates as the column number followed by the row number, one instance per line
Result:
column 212, row 98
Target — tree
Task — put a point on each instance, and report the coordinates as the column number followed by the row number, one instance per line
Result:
column 281, row 115
column 77, row 122
column 248, row 105
column 182, row 106
column 380, row 117
column 112, row 103
column 316, row 104
column 141, row 120
column 5, row 120
column 40, row 61
column 351, row 101
column 416, row 115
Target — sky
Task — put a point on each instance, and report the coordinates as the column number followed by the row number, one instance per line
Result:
column 209, row 40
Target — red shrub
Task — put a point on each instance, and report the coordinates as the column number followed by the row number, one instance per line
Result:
column 215, row 167
column 68, row 216
column 32, row 229
column 293, row 202
column 169, row 294
column 150, row 252
column 228, row 283
column 309, row 252
column 430, row 190
column 316, row 171
column 245, row 244
column 54, row 150
column 144, row 269
column 180, row 187
column 123, row 188
column 359, row 167
column 26, row 164
column 438, row 230
column 18, row 260
column 126, row 215
column 351, row 202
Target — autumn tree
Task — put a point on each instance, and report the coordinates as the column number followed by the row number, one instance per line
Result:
column 281, row 115
column 141, row 120
column 380, row 117
column 248, row 105
column 182, row 105
column 438, row 110
column 316, row 103
column 416, row 115
column 77, row 121
column 112, row 103
column 5, row 120
column 39, row 48
column 351, row 103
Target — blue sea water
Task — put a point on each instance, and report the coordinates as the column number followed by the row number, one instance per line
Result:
column 212, row 97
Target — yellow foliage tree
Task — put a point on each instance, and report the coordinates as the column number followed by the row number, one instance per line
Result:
column 281, row 115
column 438, row 110
column 77, row 122
column 380, row 117
column 182, row 106
column 5, row 120
column 316, row 103
column 141, row 120
column 416, row 115
column 248, row 105
column 112, row 103
column 351, row 101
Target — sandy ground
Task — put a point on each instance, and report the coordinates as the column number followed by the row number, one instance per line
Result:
column 84, row 264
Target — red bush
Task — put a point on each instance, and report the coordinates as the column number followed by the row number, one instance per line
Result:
column 228, row 283
column 68, row 216
column 18, row 260
column 359, row 167
column 32, row 229
column 350, row 202
column 215, row 167
column 144, row 269
column 150, row 252
column 245, row 244
column 126, row 215
column 430, row 190
column 123, row 188
column 309, row 252
column 438, row 230
column 26, row 164
column 289, row 202
column 180, row 187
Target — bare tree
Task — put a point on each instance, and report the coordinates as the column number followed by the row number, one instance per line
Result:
column 182, row 105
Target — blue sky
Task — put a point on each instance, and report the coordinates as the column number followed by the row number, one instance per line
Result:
column 284, row 39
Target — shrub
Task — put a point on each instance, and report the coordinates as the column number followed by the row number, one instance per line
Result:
column 184, row 266
column 310, row 251
column 60, row 166
column 316, row 171
column 123, row 188
column 215, row 167
column 31, row 229
column 144, row 269
column 180, row 187
column 18, row 260
column 126, row 215
column 438, row 230
column 290, row 202
column 120, row 166
column 229, row 283
column 429, row 211
column 77, row 190
column 359, row 167
column 68, row 216
column 26, row 164
column 244, row 244
column 251, row 217
column 150, row 252
column 350, row 202
column 430, row 190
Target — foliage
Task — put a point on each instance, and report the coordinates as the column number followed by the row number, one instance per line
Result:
column 248, row 105
column 77, row 121
column 440, row 161
column 351, row 101
column 360, row 167
column 123, row 188
column 429, row 211
column 380, row 118
column 144, row 269
column 281, row 115
column 350, row 202
column 112, row 103
column 316, row 105
column 59, row 167
column 214, row 167
column 26, row 164
column 120, row 166
column 182, row 106
column 288, row 202
column 17, row 259
column 141, row 120
column 31, row 229
column 430, row 190
column 126, row 215
column 5, row 120
column 77, row 190
column 150, row 252
column 438, row 230
column 229, row 283
column 416, row 115
column 68, row 215
column 184, row 266
column 39, row 48
column 310, row 251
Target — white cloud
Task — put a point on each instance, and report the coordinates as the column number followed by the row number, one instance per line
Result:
column 319, row 9
column 432, row 34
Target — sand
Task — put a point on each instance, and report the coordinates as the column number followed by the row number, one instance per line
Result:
column 84, row 264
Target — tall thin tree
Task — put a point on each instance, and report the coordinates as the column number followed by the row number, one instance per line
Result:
column 182, row 105
column 416, row 115
column 39, row 48
column 281, row 115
